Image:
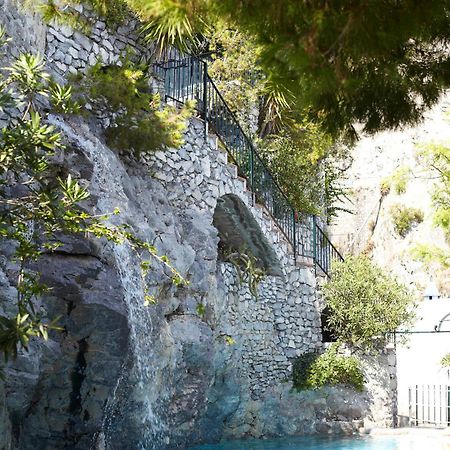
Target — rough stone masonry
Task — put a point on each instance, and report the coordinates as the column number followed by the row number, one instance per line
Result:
column 127, row 376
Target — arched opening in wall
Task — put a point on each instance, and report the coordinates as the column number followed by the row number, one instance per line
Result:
column 328, row 335
column 239, row 232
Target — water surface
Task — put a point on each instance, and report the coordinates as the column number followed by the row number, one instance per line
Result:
column 332, row 443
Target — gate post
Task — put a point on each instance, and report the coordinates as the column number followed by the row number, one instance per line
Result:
column 448, row 406
column 417, row 406
column 410, row 405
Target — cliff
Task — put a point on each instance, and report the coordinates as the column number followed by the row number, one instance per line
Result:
column 371, row 227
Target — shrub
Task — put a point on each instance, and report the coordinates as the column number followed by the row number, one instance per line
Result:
column 303, row 163
column 430, row 254
column 445, row 361
column 312, row 371
column 404, row 218
column 385, row 187
column 365, row 302
column 141, row 125
column 435, row 159
column 398, row 181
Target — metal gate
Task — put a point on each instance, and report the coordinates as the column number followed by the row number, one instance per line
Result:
column 429, row 405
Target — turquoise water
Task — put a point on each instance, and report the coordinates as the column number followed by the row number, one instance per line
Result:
column 332, row 443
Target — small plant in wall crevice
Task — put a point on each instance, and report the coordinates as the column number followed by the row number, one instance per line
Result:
column 247, row 268
column 404, row 218
column 445, row 361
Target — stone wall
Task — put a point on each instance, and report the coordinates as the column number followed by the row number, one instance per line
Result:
column 380, row 374
column 124, row 375
column 284, row 321
column 69, row 51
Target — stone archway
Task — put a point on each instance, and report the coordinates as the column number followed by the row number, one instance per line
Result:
column 238, row 229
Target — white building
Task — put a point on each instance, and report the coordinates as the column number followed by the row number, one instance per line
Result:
column 418, row 362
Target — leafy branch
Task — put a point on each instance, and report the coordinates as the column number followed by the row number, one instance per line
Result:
column 247, row 268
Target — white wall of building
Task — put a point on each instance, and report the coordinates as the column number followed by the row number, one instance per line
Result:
column 418, row 359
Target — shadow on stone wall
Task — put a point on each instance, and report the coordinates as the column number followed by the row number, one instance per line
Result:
column 239, row 230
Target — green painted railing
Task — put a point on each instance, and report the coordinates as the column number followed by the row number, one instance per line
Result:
column 186, row 78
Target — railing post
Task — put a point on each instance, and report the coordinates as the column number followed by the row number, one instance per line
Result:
column 417, row 406
column 314, row 239
column 205, row 96
column 294, row 237
column 251, row 163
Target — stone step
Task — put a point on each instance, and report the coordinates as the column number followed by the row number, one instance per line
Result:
column 243, row 182
column 233, row 169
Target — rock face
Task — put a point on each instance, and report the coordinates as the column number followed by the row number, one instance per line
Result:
column 127, row 376
column 371, row 227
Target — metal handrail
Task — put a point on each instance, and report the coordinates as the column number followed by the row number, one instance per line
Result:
column 186, row 78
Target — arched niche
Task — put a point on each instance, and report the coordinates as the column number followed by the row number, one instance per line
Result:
column 239, row 230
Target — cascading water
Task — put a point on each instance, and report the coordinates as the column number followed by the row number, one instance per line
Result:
column 142, row 351
column 138, row 388
column 99, row 439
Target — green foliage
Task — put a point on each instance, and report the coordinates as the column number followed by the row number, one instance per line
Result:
column 365, row 302
column 404, row 218
column 229, row 340
column 385, row 187
column 307, row 167
column 234, row 69
column 430, row 254
column 398, row 181
column 170, row 22
column 141, row 125
column 371, row 62
column 300, row 370
column 201, row 309
column 435, row 159
column 313, row 371
column 445, row 361
column 247, row 268
column 49, row 204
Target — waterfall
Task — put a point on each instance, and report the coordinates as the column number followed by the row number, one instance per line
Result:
column 140, row 379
